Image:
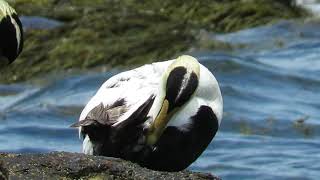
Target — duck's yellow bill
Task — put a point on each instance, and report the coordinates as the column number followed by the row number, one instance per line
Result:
column 159, row 124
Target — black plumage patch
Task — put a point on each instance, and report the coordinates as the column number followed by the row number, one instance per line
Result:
column 96, row 125
column 188, row 90
column 125, row 135
column 117, row 103
column 9, row 43
column 173, row 86
column 139, row 116
column 114, row 140
column 176, row 92
column 177, row 149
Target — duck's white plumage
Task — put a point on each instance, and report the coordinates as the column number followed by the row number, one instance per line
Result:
column 136, row 86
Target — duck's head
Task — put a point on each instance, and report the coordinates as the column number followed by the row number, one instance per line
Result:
column 179, row 83
column 11, row 34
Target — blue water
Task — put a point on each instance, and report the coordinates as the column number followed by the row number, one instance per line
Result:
column 270, row 86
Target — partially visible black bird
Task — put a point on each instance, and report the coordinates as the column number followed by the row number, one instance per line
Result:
column 11, row 34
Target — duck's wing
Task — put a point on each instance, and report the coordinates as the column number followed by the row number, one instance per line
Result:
column 101, row 115
column 121, row 99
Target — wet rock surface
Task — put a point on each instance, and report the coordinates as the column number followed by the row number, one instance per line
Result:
column 63, row 165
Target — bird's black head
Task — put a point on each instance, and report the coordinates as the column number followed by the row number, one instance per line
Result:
column 180, row 86
column 11, row 34
column 179, row 83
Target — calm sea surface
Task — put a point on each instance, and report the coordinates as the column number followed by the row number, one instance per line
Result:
column 271, row 124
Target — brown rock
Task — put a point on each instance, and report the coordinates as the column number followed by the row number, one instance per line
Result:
column 64, row 165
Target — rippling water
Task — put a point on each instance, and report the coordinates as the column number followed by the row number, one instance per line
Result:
column 270, row 86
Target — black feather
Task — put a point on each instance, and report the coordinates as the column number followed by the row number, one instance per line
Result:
column 9, row 42
column 177, row 149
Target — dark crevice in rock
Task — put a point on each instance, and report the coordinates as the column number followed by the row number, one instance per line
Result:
column 3, row 172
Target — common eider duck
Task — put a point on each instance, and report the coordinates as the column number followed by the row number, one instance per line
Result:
column 11, row 34
column 161, row 115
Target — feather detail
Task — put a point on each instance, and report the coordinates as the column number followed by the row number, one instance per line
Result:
column 104, row 116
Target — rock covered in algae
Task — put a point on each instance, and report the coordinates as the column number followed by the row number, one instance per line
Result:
column 63, row 165
column 113, row 33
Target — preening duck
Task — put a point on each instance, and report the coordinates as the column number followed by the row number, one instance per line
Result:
column 161, row 115
column 11, row 34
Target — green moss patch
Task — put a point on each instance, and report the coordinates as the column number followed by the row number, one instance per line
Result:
column 114, row 33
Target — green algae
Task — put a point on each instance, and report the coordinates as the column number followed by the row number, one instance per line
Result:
column 298, row 127
column 112, row 33
column 301, row 126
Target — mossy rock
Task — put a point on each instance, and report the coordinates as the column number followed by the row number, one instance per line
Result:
column 63, row 165
column 112, row 33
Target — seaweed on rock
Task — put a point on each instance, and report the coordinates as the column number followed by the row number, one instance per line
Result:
column 112, row 33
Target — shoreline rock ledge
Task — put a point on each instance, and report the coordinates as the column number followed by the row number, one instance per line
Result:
column 66, row 165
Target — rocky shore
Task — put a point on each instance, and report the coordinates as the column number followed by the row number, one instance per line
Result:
column 63, row 165
column 105, row 34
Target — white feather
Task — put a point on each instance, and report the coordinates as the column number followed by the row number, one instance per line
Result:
column 18, row 33
column 87, row 146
